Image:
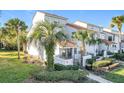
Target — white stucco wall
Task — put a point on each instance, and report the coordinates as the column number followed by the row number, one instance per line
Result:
column 39, row 17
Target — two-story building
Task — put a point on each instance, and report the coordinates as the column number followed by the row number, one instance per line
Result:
column 69, row 53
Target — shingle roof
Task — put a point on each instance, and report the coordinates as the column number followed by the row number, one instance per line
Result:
column 67, row 44
column 107, row 42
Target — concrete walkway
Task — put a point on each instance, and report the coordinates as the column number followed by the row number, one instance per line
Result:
column 98, row 78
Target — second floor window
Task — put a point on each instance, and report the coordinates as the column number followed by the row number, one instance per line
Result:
column 55, row 22
column 102, row 36
column 109, row 38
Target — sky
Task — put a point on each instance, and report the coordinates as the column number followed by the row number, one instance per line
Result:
column 97, row 17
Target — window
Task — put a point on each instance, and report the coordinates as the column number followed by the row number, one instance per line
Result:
column 114, row 46
column 75, row 50
column 65, row 52
column 55, row 22
column 102, row 36
column 109, row 38
column 73, row 34
column 113, row 37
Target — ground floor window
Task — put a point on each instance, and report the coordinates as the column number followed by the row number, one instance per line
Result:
column 65, row 52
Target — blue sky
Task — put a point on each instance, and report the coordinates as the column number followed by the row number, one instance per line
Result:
column 100, row 17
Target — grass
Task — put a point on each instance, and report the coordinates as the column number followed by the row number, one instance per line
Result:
column 13, row 70
column 116, row 75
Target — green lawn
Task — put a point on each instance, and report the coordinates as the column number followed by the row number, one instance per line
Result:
column 14, row 70
column 116, row 75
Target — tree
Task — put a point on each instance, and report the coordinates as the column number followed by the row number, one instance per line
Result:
column 92, row 41
column 83, row 36
column 118, row 22
column 23, row 40
column 98, row 42
column 46, row 33
column 6, row 38
column 17, row 26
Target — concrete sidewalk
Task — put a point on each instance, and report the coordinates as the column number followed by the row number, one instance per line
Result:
column 98, row 78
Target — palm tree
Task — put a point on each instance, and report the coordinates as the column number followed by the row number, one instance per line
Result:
column 83, row 36
column 98, row 42
column 17, row 26
column 118, row 22
column 5, row 36
column 46, row 33
column 93, row 42
column 23, row 40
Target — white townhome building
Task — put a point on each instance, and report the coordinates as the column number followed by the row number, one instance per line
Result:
column 69, row 53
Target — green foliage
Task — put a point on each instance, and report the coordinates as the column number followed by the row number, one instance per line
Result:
column 109, row 53
column 73, row 75
column 60, row 67
column 46, row 33
column 102, row 63
column 89, row 61
column 9, row 32
column 118, row 21
column 119, row 56
column 72, row 67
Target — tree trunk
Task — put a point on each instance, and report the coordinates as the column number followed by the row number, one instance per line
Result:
column 82, row 52
column 18, row 45
column 50, row 56
column 119, row 42
column 25, row 52
column 24, row 47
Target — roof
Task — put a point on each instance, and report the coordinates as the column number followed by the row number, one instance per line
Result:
column 75, row 26
column 53, row 15
column 67, row 44
column 114, row 33
column 89, row 23
column 107, row 42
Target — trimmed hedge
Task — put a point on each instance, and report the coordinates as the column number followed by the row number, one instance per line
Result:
column 60, row 67
column 102, row 63
column 53, row 76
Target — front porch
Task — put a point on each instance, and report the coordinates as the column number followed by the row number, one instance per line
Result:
column 68, row 53
column 70, row 56
column 67, row 56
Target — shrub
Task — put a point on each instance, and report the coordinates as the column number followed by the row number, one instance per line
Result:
column 89, row 61
column 60, row 67
column 119, row 56
column 72, row 67
column 53, row 76
column 102, row 63
column 109, row 53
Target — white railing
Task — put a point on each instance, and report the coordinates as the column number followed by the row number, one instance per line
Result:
column 63, row 61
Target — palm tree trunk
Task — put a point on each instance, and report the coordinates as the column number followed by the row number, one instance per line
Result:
column 120, row 41
column 50, row 56
column 24, row 47
column 18, row 45
column 82, row 52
